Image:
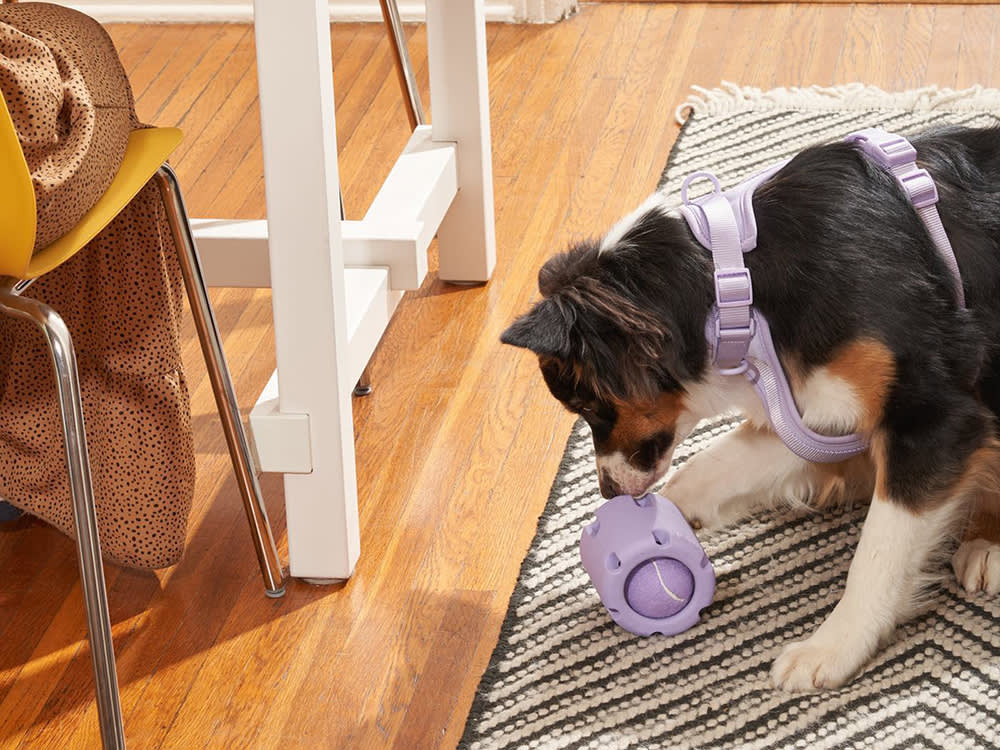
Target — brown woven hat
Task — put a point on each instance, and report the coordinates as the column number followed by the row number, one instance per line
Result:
column 71, row 104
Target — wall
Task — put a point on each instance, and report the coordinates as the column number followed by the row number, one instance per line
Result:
column 532, row 11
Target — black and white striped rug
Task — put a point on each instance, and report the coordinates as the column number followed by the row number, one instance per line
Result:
column 563, row 675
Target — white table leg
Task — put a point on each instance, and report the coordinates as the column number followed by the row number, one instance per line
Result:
column 306, row 245
column 456, row 50
column 307, row 279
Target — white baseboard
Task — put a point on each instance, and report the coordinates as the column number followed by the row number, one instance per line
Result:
column 241, row 11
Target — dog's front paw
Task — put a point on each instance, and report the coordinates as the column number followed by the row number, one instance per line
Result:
column 814, row 664
column 696, row 496
column 697, row 514
column 977, row 566
column 694, row 515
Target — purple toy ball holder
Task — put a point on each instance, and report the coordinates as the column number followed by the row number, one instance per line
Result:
column 647, row 565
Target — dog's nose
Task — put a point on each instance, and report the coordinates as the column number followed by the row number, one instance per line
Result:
column 609, row 487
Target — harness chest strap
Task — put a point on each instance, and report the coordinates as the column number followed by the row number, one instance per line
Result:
column 723, row 222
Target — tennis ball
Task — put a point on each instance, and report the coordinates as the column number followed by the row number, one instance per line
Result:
column 659, row 587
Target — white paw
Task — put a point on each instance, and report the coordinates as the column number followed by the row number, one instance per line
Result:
column 977, row 566
column 814, row 664
column 692, row 501
column 698, row 494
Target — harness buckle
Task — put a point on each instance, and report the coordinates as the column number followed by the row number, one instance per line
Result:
column 887, row 149
column 896, row 151
column 730, row 346
column 734, row 335
column 920, row 187
column 733, row 287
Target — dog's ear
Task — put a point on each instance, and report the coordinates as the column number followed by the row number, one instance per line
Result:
column 543, row 330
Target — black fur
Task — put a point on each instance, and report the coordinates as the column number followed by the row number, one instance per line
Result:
column 643, row 305
column 841, row 255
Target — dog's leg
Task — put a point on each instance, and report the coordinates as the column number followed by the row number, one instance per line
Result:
column 882, row 585
column 977, row 561
column 912, row 515
column 749, row 469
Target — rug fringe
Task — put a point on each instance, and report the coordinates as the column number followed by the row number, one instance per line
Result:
column 731, row 98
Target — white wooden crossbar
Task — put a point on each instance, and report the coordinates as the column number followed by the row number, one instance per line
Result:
column 395, row 232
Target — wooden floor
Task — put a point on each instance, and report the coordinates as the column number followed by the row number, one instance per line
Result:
column 459, row 443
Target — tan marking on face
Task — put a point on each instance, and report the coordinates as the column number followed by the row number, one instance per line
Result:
column 870, row 368
column 548, row 361
column 639, row 422
column 575, row 368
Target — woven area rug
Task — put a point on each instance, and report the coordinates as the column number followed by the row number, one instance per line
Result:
column 563, row 675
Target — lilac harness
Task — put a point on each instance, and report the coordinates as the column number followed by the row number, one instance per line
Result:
column 738, row 335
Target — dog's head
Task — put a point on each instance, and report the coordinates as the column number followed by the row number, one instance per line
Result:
column 619, row 334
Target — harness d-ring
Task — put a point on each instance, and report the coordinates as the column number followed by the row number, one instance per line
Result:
column 716, row 187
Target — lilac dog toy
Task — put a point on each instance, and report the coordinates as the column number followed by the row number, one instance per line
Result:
column 647, row 565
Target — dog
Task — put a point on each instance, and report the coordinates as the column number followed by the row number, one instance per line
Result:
column 864, row 318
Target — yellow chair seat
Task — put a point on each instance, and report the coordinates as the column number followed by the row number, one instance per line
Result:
column 17, row 200
column 146, row 152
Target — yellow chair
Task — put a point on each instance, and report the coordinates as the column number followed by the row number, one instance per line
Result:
column 144, row 159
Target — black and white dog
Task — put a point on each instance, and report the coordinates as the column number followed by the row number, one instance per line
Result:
column 867, row 327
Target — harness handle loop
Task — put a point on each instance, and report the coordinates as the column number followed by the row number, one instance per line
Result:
column 716, row 187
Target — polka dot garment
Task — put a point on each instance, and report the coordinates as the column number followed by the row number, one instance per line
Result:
column 121, row 297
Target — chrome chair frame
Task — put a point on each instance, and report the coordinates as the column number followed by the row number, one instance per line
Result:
column 222, row 385
column 60, row 344
column 401, row 58
column 414, row 113
column 88, row 545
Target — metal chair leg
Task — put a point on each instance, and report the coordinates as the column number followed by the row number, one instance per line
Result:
column 95, row 596
column 414, row 112
column 404, row 68
column 222, row 385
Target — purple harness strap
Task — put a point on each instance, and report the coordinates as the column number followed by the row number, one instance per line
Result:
column 897, row 155
column 739, row 335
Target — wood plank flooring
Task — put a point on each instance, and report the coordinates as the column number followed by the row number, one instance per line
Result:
column 459, row 442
